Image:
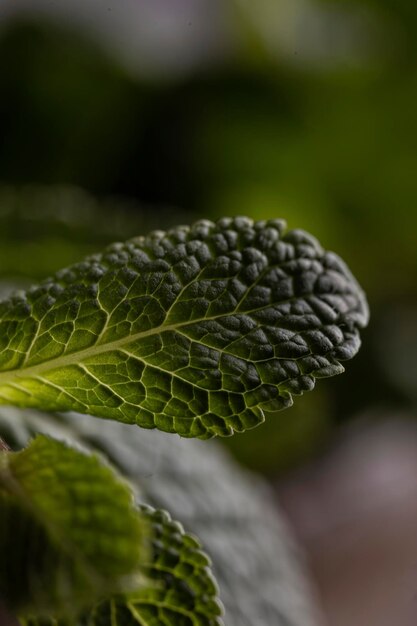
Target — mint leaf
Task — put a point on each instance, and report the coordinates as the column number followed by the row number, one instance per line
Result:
column 231, row 511
column 181, row 590
column 197, row 331
column 69, row 532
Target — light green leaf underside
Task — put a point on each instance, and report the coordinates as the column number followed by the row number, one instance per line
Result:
column 69, row 532
column 181, row 589
column 196, row 331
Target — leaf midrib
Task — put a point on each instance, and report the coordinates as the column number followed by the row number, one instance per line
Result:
column 74, row 358
column 77, row 357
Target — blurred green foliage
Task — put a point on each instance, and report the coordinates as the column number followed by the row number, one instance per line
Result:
column 331, row 147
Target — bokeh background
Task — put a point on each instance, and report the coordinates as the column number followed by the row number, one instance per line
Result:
column 119, row 117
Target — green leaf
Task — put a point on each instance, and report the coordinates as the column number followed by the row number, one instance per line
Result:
column 69, row 532
column 231, row 511
column 196, row 331
column 181, row 590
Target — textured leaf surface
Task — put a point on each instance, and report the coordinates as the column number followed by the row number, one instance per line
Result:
column 181, row 590
column 69, row 531
column 232, row 512
column 196, row 331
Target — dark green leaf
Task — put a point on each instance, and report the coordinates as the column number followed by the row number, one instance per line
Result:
column 196, row 331
column 231, row 511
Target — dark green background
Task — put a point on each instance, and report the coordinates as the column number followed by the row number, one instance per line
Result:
column 90, row 152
